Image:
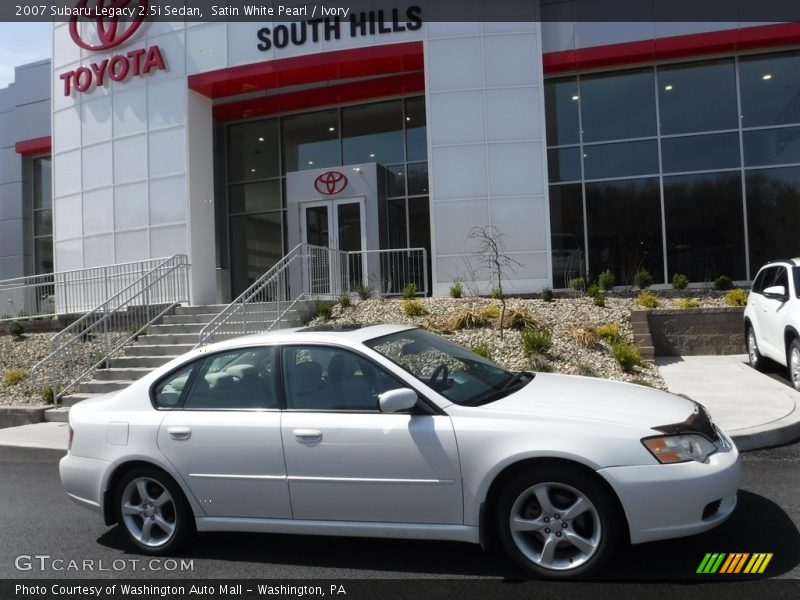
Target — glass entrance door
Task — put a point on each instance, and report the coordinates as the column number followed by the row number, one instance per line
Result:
column 337, row 224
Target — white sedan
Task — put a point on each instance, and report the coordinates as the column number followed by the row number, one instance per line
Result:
column 391, row 431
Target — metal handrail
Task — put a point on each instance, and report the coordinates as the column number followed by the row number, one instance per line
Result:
column 90, row 341
column 67, row 292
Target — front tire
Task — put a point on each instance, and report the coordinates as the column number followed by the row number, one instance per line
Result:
column 152, row 511
column 794, row 364
column 757, row 361
column 557, row 522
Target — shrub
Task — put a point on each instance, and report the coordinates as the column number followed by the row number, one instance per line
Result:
column 14, row 376
column 627, row 355
column 491, row 312
column 536, row 340
column 736, row 297
column 518, row 320
column 414, row 308
column 687, row 303
column 584, row 337
column 723, row 282
column 647, row 300
column 456, row 290
column 324, row 311
column 586, row 370
column 344, row 299
column 643, row 279
column 679, row 281
column 483, row 350
column 540, row 363
column 547, row 295
column 409, row 291
column 606, row 280
column 578, row 284
column 48, row 395
column 134, row 330
column 16, row 330
column 599, row 299
column 609, row 332
column 496, row 294
column 466, row 319
column 592, row 290
column 364, row 292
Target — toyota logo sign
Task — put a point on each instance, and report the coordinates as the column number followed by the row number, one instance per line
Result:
column 330, row 182
column 111, row 32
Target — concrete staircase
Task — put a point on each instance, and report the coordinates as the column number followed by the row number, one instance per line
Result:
column 174, row 335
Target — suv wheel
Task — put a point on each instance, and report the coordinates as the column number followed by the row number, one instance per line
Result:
column 756, row 360
column 794, row 363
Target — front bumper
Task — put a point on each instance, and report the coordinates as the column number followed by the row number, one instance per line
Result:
column 82, row 479
column 668, row 501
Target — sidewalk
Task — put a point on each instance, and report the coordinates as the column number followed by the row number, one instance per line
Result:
column 758, row 410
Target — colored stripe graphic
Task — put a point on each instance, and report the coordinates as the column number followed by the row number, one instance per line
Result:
column 724, row 563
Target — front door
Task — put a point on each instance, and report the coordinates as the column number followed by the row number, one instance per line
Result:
column 340, row 225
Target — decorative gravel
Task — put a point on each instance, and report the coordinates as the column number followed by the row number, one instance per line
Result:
column 22, row 354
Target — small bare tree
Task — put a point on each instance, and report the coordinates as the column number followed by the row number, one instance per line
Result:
column 492, row 254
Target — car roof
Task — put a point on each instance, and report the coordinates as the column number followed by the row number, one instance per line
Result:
column 794, row 262
column 345, row 334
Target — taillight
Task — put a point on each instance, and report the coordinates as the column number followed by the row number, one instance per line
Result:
column 71, row 435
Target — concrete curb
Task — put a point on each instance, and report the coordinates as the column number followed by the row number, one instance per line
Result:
column 781, row 432
column 14, row 416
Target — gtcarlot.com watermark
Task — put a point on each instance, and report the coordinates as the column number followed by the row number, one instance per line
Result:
column 47, row 563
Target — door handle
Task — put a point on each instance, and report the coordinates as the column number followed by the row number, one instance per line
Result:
column 307, row 436
column 179, row 433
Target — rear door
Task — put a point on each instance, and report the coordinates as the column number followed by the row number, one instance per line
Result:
column 223, row 433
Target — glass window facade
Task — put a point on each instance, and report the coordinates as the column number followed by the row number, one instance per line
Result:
column 689, row 168
column 259, row 153
column 42, row 215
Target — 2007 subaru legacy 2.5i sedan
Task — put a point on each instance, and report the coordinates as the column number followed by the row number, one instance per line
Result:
column 391, row 431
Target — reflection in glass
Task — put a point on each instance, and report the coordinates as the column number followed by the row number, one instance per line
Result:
column 566, row 238
column 43, row 222
column 704, row 222
column 771, row 146
column 317, row 229
column 561, row 111
column 256, row 245
column 620, row 160
column 770, row 89
column 419, row 219
column 396, row 180
column 253, row 150
column 773, row 213
column 417, row 179
column 697, row 97
column 42, row 183
column 311, row 141
column 373, row 133
column 700, row 152
column 43, row 251
column 396, row 218
column 618, row 106
column 254, row 197
column 416, row 130
column 349, row 226
column 624, row 225
column 564, row 164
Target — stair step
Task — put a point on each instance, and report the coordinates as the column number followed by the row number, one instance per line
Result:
column 103, row 387
column 170, row 328
column 73, row 399
column 57, row 415
column 187, row 319
column 124, row 374
column 168, row 339
column 211, row 309
column 171, row 350
column 151, row 362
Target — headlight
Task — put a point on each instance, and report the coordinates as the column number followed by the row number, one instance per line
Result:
column 679, row 448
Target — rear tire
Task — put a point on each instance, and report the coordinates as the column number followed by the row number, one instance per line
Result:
column 757, row 361
column 152, row 511
column 793, row 363
column 557, row 522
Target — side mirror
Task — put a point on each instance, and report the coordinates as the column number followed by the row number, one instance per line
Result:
column 398, row 400
column 776, row 291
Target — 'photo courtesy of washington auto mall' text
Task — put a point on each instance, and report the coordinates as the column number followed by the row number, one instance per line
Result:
column 399, row 299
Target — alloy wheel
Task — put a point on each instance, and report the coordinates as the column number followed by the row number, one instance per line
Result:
column 148, row 512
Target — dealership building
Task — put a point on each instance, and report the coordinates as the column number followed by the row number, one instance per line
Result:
column 669, row 146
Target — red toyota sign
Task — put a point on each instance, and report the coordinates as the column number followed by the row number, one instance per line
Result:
column 330, row 182
column 109, row 19
column 111, row 33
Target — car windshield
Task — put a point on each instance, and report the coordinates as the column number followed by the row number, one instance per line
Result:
column 459, row 375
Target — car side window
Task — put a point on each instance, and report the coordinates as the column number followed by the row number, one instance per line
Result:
column 239, row 379
column 167, row 392
column 782, row 278
column 332, row 379
column 758, row 284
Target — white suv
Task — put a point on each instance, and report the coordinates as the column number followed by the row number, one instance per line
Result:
column 772, row 317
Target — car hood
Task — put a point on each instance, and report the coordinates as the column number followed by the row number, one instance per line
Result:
column 588, row 398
